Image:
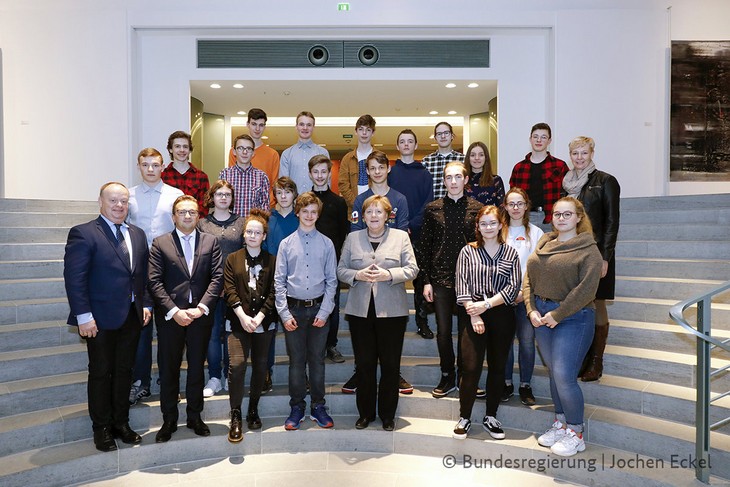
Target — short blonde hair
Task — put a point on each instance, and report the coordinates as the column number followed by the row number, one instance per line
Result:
column 379, row 200
column 580, row 141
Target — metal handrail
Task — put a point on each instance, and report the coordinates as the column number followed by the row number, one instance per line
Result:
column 705, row 344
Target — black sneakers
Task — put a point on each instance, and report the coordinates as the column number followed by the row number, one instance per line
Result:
column 526, row 396
column 446, row 385
column 509, row 391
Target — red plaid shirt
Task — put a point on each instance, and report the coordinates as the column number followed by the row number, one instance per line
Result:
column 194, row 183
column 554, row 170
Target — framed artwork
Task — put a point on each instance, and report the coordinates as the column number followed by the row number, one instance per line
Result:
column 700, row 111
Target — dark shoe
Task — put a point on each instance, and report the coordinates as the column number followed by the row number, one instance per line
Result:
column 446, row 386
column 126, row 434
column 104, row 440
column 319, row 415
column 165, row 433
column 295, row 419
column 595, row 364
column 493, row 427
column 137, row 393
column 388, row 424
column 268, row 386
column 350, row 386
column 200, row 428
column 363, row 423
column 334, row 355
column 507, row 392
column 425, row 332
column 235, row 433
column 253, row 420
column 526, row 396
column 404, row 387
column 481, row 393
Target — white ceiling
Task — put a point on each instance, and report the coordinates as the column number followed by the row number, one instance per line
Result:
column 387, row 98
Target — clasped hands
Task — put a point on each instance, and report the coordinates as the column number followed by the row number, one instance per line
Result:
column 474, row 309
column 538, row 320
column 184, row 317
column 373, row 273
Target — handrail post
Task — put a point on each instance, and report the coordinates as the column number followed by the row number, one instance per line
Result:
column 702, row 444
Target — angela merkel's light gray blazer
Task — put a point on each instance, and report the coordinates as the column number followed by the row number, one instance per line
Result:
column 395, row 254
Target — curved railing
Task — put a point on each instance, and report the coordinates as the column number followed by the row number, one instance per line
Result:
column 705, row 344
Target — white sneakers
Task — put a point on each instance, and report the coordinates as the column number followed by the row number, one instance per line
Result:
column 553, row 435
column 569, row 444
column 562, row 442
column 213, row 387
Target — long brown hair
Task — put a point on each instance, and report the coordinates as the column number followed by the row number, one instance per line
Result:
column 488, row 210
column 584, row 225
column 525, row 217
column 487, row 178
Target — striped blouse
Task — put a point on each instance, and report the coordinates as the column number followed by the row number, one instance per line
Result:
column 479, row 276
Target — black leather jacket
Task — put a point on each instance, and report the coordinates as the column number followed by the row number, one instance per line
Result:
column 600, row 196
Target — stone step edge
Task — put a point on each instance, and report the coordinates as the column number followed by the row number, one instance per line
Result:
column 478, row 445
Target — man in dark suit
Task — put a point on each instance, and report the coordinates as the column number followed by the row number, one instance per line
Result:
column 185, row 280
column 105, row 272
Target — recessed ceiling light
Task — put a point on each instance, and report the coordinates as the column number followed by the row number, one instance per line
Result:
column 215, row 86
column 238, row 86
column 452, row 112
column 473, row 85
column 431, row 136
column 323, row 145
column 241, row 113
column 377, row 145
column 265, row 137
column 450, row 85
column 434, row 145
column 433, row 112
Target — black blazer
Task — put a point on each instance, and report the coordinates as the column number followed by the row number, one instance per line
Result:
column 171, row 283
column 238, row 291
column 98, row 276
column 601, row 196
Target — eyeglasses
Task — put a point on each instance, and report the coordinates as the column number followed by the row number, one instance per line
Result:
column 156, row 167
column 566, row 215
column 186, row 212
column 222, row 195
column 493, row 224
column 253, row 233
column 244, row 149
column 443, row 134
column 540, row 137
column 518, row 204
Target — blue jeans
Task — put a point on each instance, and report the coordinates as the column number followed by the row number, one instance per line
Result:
column 563, row 349
column 306, row 349
column 525, row 333
column 218, row 346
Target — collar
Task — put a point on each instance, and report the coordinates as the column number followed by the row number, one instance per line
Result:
column 146, row 188
column 309, row 234
column 181, row 235
column 448, row 200
column 112, row 225
column 308, row 144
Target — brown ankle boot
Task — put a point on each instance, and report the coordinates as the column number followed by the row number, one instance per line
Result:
column 595, row 366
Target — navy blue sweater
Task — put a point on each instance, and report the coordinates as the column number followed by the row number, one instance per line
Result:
column 415, row 182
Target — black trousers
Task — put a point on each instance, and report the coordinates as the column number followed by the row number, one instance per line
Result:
column 172, row 340
column 444, row 305
column 241, row 346
column 377, row 340
column 111, row 359
column 499, row 331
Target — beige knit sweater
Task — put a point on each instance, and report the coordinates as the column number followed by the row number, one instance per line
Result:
column 567, row 272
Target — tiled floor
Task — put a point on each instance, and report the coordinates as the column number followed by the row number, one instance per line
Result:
column 345, row 469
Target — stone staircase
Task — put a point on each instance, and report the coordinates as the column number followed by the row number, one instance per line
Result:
column 642, row 409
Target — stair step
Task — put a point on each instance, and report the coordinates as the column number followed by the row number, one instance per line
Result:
column 32, row 310
column 667, row 287
column 42, row 334
column 45, row 219
column 78, row 461
column 688, row 268
column 33, row 235
column 699, row 249
column 32, row 251
column 10, row 269
column 699, row 202
column 720, row 216
column 664, row 231
column 21, row 289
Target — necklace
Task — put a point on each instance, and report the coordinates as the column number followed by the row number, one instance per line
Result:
column 375, row 236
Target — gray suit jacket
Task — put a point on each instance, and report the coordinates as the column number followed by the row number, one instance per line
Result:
column 395, row 254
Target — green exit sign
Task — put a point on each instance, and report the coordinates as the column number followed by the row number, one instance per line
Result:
column 343, row 7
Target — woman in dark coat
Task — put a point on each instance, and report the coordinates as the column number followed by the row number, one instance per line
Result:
column 600, row 194
column 249, row 288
